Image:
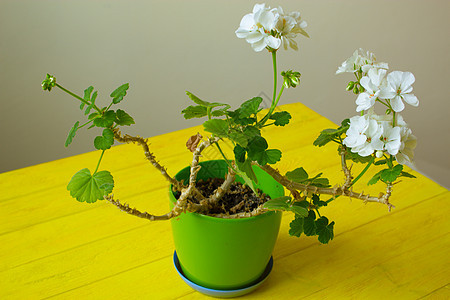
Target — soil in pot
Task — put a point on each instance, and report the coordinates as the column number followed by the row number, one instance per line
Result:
column 239, row 198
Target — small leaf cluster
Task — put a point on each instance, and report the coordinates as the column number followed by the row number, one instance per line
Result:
column 305, row 220
column 390, row 174
column 313, row 226
column 332, row 135
column 84, row 186
column 105, row 118
column 301, row 176
column 242, row 128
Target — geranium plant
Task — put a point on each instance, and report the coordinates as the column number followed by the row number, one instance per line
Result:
column 367, row 138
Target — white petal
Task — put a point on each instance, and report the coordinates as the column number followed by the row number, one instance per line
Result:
column 397, row 104
column 254, row 37
column 242, row 33
column 407, row 80
column 273, row 42
column 387, row 93
column 267, row 20
column 365, row 82
column 411, row 99
column 395, row 79
column 259, row 46
column 247, row 21
column 258, row 7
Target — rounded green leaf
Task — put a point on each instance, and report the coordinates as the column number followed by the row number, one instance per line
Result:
column 85, row 187
column 105, row 141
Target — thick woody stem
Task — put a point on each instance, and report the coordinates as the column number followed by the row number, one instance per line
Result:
column 181, row 204
column 335, row 191
column 257, row 211
column 143, row 142
column 207, row 203
column 150, row 157
column 133, row 211
column 348, row 174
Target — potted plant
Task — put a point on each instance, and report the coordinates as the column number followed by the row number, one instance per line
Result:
column 225, row 209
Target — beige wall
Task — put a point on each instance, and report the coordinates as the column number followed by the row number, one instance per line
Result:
column 166, row 47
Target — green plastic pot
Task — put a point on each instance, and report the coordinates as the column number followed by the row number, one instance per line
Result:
column 225, row 254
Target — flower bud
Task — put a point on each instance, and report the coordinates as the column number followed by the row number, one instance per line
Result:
column 355, row 90
column 350, row 85
column 291, row 78
column 48, row 83
column 379, row 154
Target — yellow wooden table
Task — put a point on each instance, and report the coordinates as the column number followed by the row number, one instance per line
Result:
column 52, row 246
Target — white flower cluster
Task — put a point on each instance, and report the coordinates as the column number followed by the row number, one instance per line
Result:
column 269, row 28
column 371, row 133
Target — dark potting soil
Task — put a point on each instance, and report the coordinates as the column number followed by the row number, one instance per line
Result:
column 239, row 198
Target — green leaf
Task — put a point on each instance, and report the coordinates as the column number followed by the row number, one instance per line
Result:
column 251, row 132
column 302, row 203
column 88, row 109
column 107, row 120
column 281, row 118
column 205, row 103
column 89, row 188
column 309, row 224
column 390, row 175
column 94, row 115
column 239, row 137
column 406, row 174
column 249, row 107
column 105, row 141
column 217, row 126
column 324, row 230
column 239, row 153
column 299, row 209
column 87, row 96
column 221, row 111
column 280, row 203
column 317, row 202
column 296, row 227
column 119, row 93
column 298, row 175
column 197, row 111
column 123, row 119
column 257, row 145
column 380, row 162
column 329, row 135
column 72, row 133
column 247, row 173
column 375, row 178
column 272, row 156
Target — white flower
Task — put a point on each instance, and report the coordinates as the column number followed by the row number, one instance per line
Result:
column 405, row 156
column 359, row 59
column 391, row 138
column 371, row 84
column 363, row 135
column 256, row 28
column 399, row 88
column 288, row 26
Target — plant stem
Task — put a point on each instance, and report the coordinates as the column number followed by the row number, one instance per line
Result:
column 275, row 75
column 79, row 98
column 224, row 157
column 98, row 164
column 274, row 99
column 357, row 177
